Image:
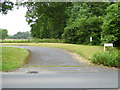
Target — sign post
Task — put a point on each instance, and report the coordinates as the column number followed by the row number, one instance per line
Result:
column 108, row 45
column 91, row 39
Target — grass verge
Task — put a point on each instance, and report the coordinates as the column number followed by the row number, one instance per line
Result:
column 12, row 58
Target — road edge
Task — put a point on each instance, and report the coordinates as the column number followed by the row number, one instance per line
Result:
column 27, row 58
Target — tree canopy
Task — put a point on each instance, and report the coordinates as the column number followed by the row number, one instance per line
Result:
column 85, row 20
column 3, row 34
column 111, row 23
column 21, row 35
column 74, row 22
column 5, row 6
column 47, row 19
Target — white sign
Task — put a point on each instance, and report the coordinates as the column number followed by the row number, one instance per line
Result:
column 108, row 45
column 90, row 38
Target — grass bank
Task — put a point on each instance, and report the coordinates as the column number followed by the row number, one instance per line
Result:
column 12, row 58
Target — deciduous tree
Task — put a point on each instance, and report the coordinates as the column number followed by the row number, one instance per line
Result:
column 3, row 33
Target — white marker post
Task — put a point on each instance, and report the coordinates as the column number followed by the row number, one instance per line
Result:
column 91, row 39
column 108, row 45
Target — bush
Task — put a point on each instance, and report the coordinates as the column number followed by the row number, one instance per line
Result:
column 108, row 58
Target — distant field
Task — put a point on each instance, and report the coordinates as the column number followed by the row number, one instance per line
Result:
column 12, row 58
column 15, row 39
column 32, row 41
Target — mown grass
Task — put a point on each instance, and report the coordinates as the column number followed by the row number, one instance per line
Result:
column 12, row 58
column 86, row 51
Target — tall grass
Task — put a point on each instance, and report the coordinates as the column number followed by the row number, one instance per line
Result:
column 109, row 58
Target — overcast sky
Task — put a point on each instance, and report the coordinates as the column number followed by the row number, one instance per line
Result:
column 14, row 21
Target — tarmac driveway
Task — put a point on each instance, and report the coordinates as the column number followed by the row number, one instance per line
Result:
column 56, row 76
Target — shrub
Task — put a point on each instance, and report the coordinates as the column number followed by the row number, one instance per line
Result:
column 108, row 58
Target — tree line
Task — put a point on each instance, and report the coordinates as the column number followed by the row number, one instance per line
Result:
column 75, row 22
column 18, row 35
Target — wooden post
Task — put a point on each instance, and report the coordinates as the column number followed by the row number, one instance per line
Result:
column 104, row 48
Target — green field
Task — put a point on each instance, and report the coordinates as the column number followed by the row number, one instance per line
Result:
column 32, row 41
column 12, row 58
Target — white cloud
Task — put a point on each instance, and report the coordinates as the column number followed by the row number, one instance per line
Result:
column 14, row 21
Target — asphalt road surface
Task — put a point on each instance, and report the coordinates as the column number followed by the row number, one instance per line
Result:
column 84, row 76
